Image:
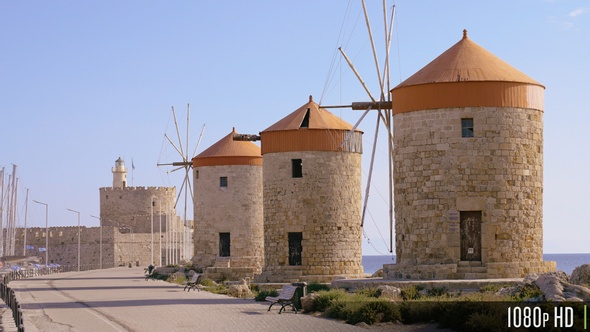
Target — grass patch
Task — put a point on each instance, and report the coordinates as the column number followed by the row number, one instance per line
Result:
column 493, row 288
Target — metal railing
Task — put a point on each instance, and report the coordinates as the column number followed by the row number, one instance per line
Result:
column 9, row 297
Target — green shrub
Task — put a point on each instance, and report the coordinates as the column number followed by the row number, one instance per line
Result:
column 157, row 276
column 337, row 309
column 417, row 312
column 315, row 287
column 528, row 291
column 206, row 282
column 179, row 279
column 438, row 292
column 373, row 311
column 484, row 321
column 219, row 289
column 411, row 292
column 325, row 299
column 369, row 292
column 492, row 288
column 261, row 296
column 254, row 288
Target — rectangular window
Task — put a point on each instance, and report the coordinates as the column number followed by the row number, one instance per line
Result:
column 223, row 181
column 295, row 248
column 224, row 245
column 297, row 167
column 467, row 127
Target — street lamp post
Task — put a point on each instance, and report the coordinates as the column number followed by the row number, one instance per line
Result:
column 152, row 217
column 78, row 212
column 160, row 234
column 100, row 249
column 46, row 231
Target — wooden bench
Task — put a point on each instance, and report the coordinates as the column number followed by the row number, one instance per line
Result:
column 193, row 283
column 285, row 298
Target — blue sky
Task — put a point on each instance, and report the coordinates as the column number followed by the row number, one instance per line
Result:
column 83, row 83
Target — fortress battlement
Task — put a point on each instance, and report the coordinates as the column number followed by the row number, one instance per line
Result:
column 57, row 228
column 157, row 189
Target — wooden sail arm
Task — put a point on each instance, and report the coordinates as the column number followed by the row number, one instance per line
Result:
column 246, row 137
column 364, row 105
column 177, row 163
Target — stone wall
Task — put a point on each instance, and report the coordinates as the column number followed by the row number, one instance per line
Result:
column 63, row 245
column 235, row 209
column 131, row 207
column 324, row 205
column 438, row 174
column 118, row 248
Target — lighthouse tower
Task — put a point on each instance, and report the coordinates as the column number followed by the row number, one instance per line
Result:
column 119, row 174
column 468, row 161
column 228, row 236
column 312, row 197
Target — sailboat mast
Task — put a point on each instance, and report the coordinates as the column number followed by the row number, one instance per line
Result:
column 25, row 229
column 2, row 212
column 14, row 216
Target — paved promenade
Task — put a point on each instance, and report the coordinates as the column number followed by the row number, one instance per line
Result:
column 119, row 299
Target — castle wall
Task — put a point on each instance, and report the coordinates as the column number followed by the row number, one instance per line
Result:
column 63, row 245
column 118, row 248
column 235, row 209
column 324, row 205
column 131, row 207
column 439, row 174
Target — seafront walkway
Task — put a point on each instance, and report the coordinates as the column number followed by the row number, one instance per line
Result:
column 120, row 299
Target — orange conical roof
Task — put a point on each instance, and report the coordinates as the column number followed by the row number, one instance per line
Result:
column 467, row 61
column 311, row 128
column 229, row 152
column 467, row 75
column 317, row 118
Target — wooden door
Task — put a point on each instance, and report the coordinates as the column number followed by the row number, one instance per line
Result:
column 295, row 248
column 224, row 245
column 470, row 224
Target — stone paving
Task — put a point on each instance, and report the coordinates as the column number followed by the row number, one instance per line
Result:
column 119, row 299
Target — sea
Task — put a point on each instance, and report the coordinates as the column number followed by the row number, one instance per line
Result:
column 565, row 262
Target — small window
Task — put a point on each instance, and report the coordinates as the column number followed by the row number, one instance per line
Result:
column 467, row 127
column 223, row 181
column 295, row 248
column 305, row 122
column 297, row 167
column 197, row 174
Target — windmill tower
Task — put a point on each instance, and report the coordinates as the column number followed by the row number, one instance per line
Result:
column 465, row 144
column 312, row 197
column 229, row 242
column 468, row 137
